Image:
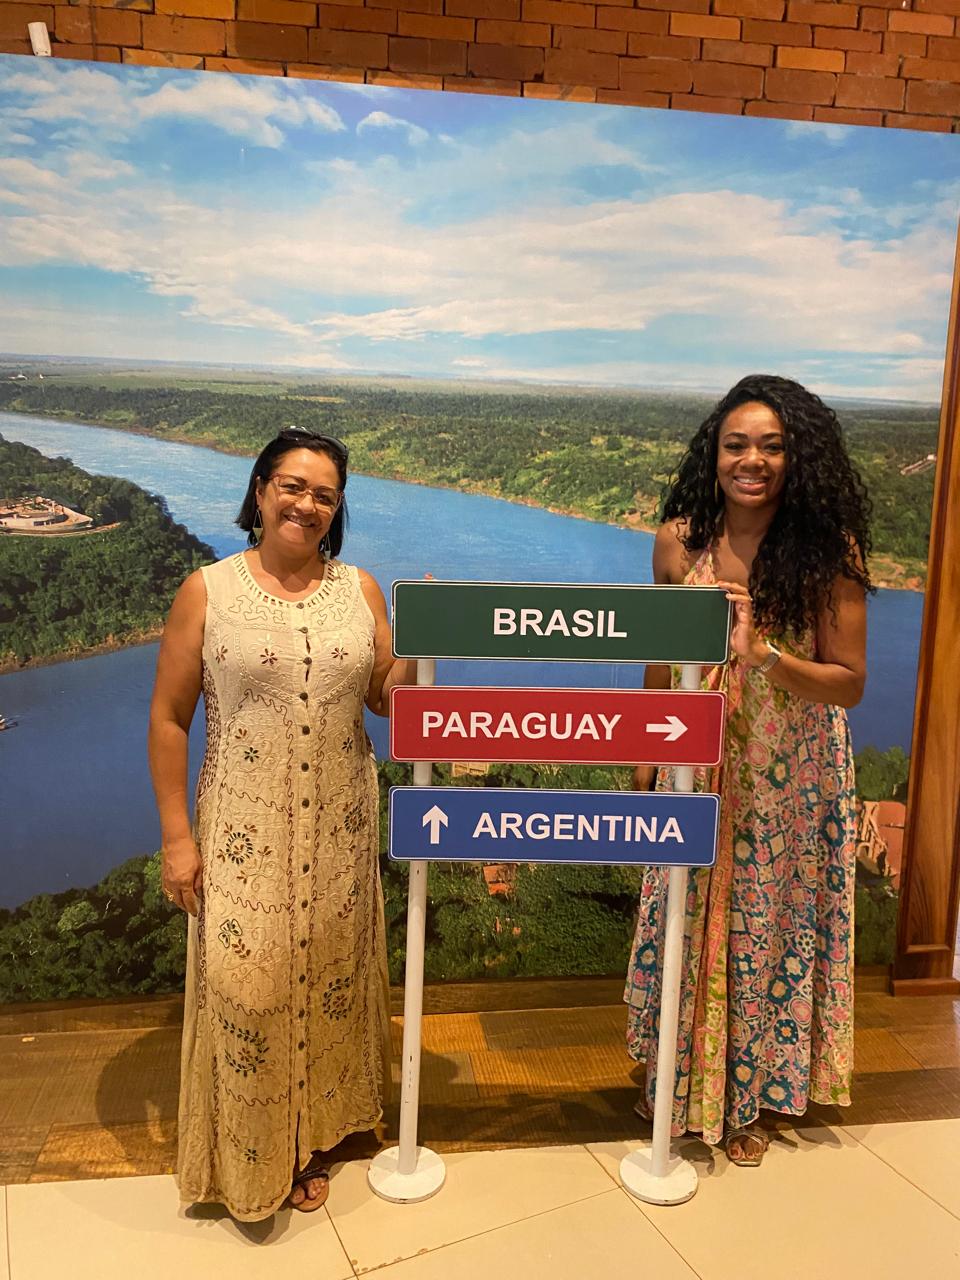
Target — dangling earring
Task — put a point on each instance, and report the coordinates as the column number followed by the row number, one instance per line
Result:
column 717, row 493
column 257, row 529
column 324, row 547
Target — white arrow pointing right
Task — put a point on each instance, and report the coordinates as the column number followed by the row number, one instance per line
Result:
column 434, row 818
column 673, row 729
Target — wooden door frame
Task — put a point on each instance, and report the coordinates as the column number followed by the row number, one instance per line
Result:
column 930, row 877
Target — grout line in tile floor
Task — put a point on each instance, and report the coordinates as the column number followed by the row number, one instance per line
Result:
column 475, row 1235
column 638, row 1205
column 593, row 1155
column 641, row 1209
column 900, row 1174
column 332, row 1221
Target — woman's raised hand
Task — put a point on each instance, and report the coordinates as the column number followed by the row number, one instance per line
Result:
column 744, row 640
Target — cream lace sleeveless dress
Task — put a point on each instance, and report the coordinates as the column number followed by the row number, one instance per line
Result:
column 286, row 1019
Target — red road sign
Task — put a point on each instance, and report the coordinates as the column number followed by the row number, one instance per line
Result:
column 556, row 726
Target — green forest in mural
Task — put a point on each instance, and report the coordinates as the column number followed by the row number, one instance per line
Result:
column 121, row 937
column 605, row 455
column 63, row 593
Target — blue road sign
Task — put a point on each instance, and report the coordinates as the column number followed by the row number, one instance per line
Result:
column 504, row 824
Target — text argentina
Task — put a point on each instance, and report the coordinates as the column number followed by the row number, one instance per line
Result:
column 578, row 826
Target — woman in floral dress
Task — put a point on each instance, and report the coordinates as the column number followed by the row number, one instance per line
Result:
column 286, row 1019
column 768, row 506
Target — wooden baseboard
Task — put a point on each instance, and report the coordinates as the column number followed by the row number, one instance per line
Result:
column 924, row 987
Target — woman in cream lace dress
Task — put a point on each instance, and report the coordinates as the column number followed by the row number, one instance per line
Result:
column 286, row 1020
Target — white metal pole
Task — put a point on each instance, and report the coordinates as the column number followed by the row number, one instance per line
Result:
column 413, row 998
column 651, row 1174
column 408, row 1173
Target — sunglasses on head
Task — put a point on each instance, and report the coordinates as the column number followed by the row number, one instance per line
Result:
column 294, row 433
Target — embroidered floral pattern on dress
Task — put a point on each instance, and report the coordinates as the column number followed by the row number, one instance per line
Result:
column 248, row 1050
column 229, row 930
column 353, row 893
column 355, row 819
column 238, row 846
column 338, row 999
column 278, row 874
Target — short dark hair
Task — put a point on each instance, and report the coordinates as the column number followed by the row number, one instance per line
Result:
column 284, row 442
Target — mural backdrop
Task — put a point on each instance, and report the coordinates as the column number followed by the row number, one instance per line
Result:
column 515, row 313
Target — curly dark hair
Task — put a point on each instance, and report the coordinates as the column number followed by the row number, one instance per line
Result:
column 821, row 528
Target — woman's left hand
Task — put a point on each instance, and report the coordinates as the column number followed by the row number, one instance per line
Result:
column 744, row 641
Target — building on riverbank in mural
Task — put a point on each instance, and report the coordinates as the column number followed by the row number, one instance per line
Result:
column 40, row 515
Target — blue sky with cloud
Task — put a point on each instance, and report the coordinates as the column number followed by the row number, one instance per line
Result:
column 182, row 216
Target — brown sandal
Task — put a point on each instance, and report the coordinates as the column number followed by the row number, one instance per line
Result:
column 309, row 1204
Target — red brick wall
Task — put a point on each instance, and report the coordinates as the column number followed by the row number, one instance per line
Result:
column 889, row 62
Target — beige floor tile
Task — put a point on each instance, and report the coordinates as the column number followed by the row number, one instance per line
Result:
column 134, row 1226
column 826, row 1206
column 604, row 1238
column 483, row 1190
column 926, row 1154
column 609, row 1155
column 4, row 1263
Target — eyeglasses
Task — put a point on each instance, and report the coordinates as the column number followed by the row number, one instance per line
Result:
column 297, row 433
column 293, row 488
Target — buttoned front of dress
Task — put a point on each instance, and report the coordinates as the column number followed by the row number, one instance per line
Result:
column 286, row 1024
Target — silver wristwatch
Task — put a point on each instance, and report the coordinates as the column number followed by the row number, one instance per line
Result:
column 771, row 660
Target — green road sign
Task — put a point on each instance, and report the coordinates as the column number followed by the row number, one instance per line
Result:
column 568, row 622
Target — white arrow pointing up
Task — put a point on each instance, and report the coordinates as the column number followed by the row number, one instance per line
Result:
column 674, row 729
column 434, row 818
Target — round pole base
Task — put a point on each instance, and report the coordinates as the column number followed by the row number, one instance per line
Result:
column 678, row 1184
column 425, row 1181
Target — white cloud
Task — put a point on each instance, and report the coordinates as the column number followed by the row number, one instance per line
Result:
column 619, row 266
column 365, row 256
column 89, row 328
column 622, row 265
column 383, row 120
column 806, row 130
column 85, row 99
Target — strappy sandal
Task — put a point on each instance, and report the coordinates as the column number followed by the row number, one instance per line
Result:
column 747, row 1138
column 309, row 1204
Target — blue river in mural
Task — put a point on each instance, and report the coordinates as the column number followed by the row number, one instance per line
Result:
column 76, row 796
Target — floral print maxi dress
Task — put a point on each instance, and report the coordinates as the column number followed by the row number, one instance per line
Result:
column 766, row 1004
column 286, row 1022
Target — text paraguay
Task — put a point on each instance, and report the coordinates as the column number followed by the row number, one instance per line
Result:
column 533, row 725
